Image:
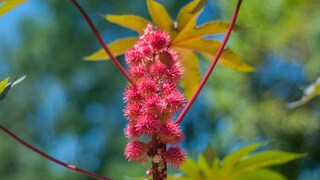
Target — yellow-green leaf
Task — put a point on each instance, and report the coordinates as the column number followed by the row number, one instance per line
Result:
column 203, row 165
column 135, row 23
column 117, row 47
column 309, row 93
column 3, row 84
column 209, row 47
column 261, row 174
column 263, row 159
column 233, row 158
column 191, row 77
column 190, row 168
column 179, row 177
column 9, row 4
column 209, row 28
column 209, row 154
column 187, row 18
column 160, row 16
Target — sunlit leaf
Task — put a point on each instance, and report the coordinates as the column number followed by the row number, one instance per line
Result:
column 191, row 77
column 233, row 158
column 209, row 47
column 9, row 4
column 309, row 93
column 191, row 168
column 203, row 165
column 135, row 23
column 260, row 174
column 187, row 18
column 209, row 154
column 239, row 165
column 117, row 47
column 3, row 84
column 209, row 28
column 263, row 159
column 160, row 16
column 179, row 177
column 185, row 37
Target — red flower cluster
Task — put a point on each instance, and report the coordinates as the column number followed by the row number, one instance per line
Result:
column 154, row 98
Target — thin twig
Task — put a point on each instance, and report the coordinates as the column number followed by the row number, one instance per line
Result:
column 103, row 44
column 69, row 166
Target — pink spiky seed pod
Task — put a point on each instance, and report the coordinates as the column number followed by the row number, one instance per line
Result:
column 157, row 70
column 168, row 57
column 131, row 132
column 170, row 133
column 136, row 151
column 144, row 48
column 132, row 111
column 154, row 105
column 133, row 57
column 147, row 125
column 174, row 73
column 137, row 72
column 154, row 97
column 159, row 39
column 147, row 86
column 169, row 87
column 132, row 94
column 175, row 156
column 174, row 101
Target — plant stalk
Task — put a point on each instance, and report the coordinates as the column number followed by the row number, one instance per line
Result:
column 69, row 166
column 159, row 165
column 103, row 44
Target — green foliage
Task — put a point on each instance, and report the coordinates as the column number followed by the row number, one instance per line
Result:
column 186, row 37
column 309, row 93
column 3, row 84
column 118, row 47
column 9, row 5
column 239, row 165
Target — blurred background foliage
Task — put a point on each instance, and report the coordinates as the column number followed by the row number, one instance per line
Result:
column 72, row 109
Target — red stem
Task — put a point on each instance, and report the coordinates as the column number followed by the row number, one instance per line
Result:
column 212, row 65
column 69, row 166
column 101, row 41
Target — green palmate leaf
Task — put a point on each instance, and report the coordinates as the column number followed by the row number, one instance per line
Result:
column 212, row 27
column 187, row 18
column 209, row 47
column 260, row 174
column 9, row 4
column 204, row 165
column 239, row 165
column 179, row 177
column 135, row 23
column 309, row 93
column 3, row 84
column 117, row 47
column 209, row 154
column 191, row 77
column 233, row 158
column 263, row 159
column 191, row 169
column 160, row 16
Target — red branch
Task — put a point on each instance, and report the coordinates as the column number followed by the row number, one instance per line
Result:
column 101, row 41
column 69, row 166
column 212, row 65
